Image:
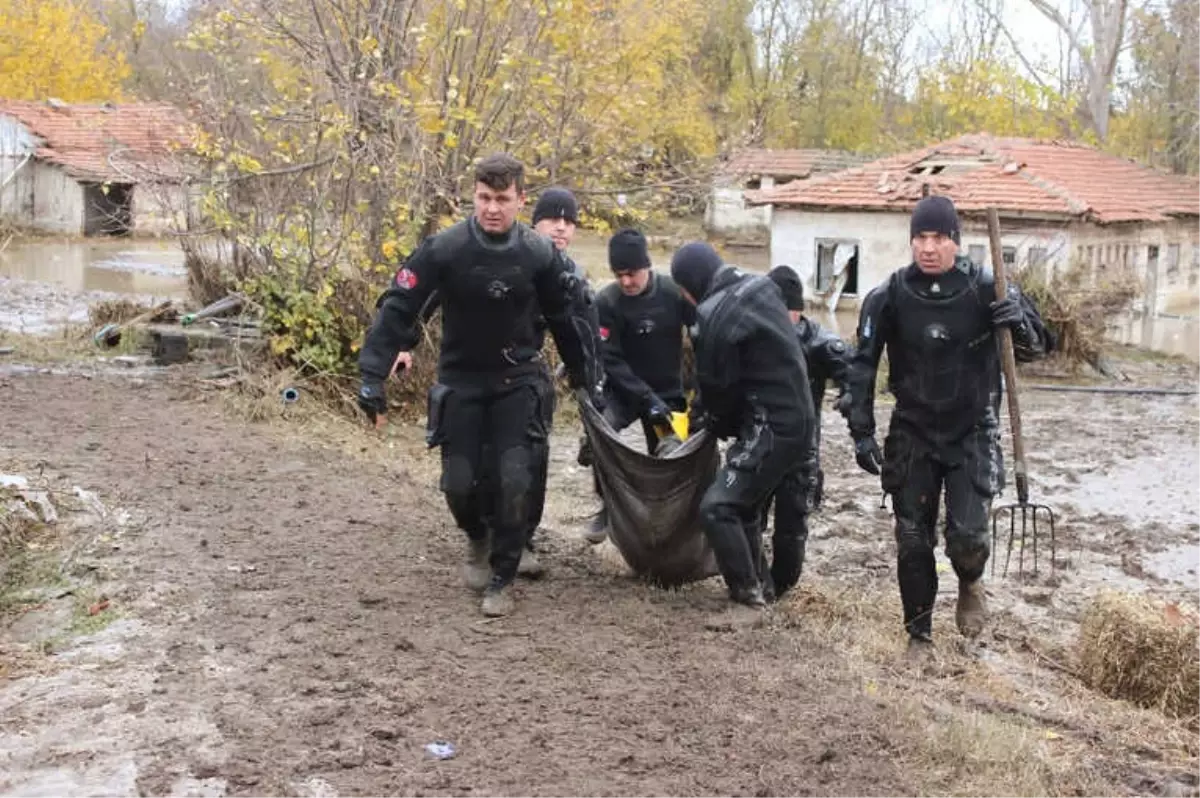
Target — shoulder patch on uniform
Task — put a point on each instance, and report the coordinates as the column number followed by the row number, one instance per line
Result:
column 604, row 333
column 406, row 278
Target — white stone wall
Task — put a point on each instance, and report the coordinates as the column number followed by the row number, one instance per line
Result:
column 57, row 201
column 882, row 240
column 728, row 213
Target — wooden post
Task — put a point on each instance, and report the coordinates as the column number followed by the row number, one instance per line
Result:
column 1008, row 361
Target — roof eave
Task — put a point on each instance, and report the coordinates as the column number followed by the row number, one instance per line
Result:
column 907, row 206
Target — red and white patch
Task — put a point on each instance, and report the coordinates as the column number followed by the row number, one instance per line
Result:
column 406, row 279
column 603, row 333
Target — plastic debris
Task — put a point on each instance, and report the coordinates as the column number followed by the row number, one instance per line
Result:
column 290, row 395
column 440, row 750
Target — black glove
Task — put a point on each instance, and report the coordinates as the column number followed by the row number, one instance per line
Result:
column 1007, row 312
column 842, row 403
column 866, row 453
column 372, row 399
column 594, row 397
column 659, row 415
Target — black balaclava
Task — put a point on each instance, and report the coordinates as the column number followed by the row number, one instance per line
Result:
column 789, row 283
column 556, row 203
column 693, row 267
column 934, row 215
column 628, row 251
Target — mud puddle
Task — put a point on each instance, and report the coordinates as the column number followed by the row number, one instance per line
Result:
column 1179, row 563
column 46, row 284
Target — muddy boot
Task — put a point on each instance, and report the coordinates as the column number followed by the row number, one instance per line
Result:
column 597, row 529
column 748, row 611
column 530, row 567
column 920, row 649
column 972, row 608
column 497, row 601
column 476, row 570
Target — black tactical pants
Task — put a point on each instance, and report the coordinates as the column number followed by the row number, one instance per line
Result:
column 793, row 500
column 494, row 443
column 732, row 507
column 916, row 474
column 537, row 503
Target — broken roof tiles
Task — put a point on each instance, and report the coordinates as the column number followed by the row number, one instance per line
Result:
column 125, row 143
column 1022, row 176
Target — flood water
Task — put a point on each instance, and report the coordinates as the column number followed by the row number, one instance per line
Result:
column 110, row 265
column 58, row 278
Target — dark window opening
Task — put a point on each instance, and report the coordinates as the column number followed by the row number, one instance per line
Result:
column 108, row 209
column 1009, row 254
column 834, row 258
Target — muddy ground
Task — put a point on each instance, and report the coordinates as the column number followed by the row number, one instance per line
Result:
column 273, row 606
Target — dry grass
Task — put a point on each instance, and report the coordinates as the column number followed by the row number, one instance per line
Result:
column 18, row 523
column 996, row 725
column 72, row 343
column 118, row 311
column 1077, row 306
column 1142, row 650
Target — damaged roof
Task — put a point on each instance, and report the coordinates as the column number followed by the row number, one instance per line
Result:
column 1014, row 175
column 787, row 163
column 119, row 143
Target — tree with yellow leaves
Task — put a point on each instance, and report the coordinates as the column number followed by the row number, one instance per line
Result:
column 55, row 48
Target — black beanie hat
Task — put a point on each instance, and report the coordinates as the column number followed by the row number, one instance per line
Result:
column 934, row 215
column 556, row 203
column 693, row 267
column 789, row 283
column 628, row 251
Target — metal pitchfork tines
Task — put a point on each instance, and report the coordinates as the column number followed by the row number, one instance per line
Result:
column 1028, row 512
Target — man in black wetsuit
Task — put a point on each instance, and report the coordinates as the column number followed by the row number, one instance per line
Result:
column 495, row 277
column 827, row 358
column 754, row 388
column 642, row 316
column 555, row 215
column 937, row 319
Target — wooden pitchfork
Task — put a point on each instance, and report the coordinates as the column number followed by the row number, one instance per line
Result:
column 1028, row 512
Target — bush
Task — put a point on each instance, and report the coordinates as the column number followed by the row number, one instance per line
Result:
column 1078, row 308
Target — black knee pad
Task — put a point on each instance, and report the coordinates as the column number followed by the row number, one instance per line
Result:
column 969, row 554
column 912, row 541
column 458, row 475
column 516, row 478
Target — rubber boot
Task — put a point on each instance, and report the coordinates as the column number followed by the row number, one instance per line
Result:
column 530, row 566
column 476, row 571
column 497, row 601
column 972, row 608
column 597, row 530
column 748, row 611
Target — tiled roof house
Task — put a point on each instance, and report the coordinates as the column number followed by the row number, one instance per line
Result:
column 91, row 168
column 1058, row 201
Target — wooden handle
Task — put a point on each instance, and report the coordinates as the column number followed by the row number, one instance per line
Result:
column 1008, row 361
